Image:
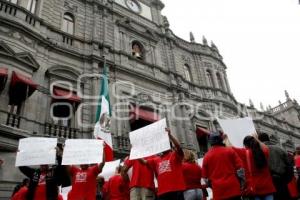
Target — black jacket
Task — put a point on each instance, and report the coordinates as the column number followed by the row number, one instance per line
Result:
column 53, row 180
column 279, row 163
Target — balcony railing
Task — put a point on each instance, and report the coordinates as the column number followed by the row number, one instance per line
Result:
column 13, row 120
column 122, row 144
column 54, row 130
column 8, row 9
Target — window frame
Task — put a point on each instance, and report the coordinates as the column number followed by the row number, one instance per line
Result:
column 68, row 23
column 187, row 73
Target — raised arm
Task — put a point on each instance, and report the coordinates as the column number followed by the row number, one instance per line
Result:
column 175, row 142
column 101, row 165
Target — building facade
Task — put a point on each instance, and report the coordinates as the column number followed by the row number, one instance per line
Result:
column 52, row 53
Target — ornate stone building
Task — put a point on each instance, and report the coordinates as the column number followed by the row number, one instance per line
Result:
column 51, row 55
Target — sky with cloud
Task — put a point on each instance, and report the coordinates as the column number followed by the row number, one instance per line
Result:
column 258, row 39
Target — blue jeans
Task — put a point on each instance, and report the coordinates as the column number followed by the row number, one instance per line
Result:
column 193, row 194
column 268, row 197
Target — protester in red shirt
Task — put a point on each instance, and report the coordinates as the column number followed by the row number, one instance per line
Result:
column 84, row 181
column 118, row 185
column 21, row 193
column 258, row 154
column 142, row 180
column 223, row 170
column 297, row 165
column 168, row 170
column 192, row 177
column 44, row 181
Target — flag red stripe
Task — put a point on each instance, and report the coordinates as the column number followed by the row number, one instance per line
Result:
column 109, row 153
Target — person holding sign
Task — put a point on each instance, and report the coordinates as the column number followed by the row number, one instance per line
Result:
column 192, row 177
column 84, row 180
column 44, row 181
column 118, row 185
column 223, row 170
column 168, row 169
column 257, row 160
column 142, row 181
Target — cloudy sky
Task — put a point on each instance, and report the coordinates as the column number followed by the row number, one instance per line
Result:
column 258, row 39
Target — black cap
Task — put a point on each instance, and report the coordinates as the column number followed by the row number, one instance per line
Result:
column 215, row 138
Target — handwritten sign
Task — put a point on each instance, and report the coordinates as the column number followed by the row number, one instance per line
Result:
column 83, row 151
column 149, row 140
column 237, row 129
column 36, row 151
column 109, row 169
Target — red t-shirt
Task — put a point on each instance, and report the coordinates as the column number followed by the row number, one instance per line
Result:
column 293, row 190
column 60, row 197
column 168, row 169
column 142, row 175
column 40, row 191
column 118, row 188
column 297, row 161
column 84, row 183
column 262, row 179
column 219, row 166
column 192, row 175
column 21, row 194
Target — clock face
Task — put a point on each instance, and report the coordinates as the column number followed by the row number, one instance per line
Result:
column 133, row 5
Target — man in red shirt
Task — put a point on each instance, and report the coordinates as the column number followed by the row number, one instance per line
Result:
column 222, row 167
column 168, row 170
column 84, row 181
column 142, row 181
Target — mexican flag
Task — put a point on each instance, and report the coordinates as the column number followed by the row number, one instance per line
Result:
column 102, row 126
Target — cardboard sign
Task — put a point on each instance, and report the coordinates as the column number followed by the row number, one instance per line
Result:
column 36, row 151
column 149, row 140
column 83, row 151
column 237, row 129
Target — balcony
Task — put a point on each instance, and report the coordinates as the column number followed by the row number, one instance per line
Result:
column 13, row 120
column 53, row 130
column 37, row 26
column 122, row 144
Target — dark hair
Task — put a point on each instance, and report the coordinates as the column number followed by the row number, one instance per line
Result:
column 259, row 157
column 263, row 137
column 25, row 181
column 18, row 186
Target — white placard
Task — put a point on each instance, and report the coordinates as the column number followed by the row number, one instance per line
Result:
column 83, row 151
column 36, row 151
column 65, row 191
column 149, row 140
column 109, row 169
column 200, row 162
column 237, row 129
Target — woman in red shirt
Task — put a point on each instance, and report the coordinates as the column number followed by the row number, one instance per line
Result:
column 261, row 180
column 118, row 185
column 192, row 177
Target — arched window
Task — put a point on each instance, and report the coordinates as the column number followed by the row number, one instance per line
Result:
column 68, row 23
column 28, row 4
column 210, row 78
column 137, row 50
column 187, row 73
column 220, row 82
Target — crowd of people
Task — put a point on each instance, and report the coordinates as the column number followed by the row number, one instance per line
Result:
column 259, row 171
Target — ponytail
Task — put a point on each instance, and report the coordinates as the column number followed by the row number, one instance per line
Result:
column 259, row 157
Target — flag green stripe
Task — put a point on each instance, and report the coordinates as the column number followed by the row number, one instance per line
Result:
column 104, row 91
